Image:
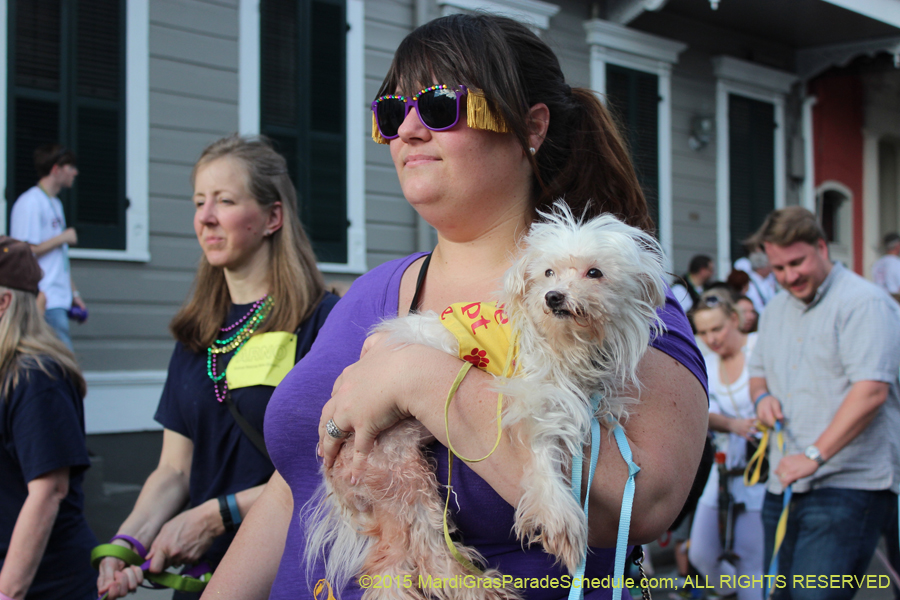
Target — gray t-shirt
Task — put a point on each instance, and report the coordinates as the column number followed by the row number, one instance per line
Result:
column 811, row 354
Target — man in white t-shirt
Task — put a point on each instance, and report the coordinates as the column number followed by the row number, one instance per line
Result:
column 38, row 218
column 886, row 270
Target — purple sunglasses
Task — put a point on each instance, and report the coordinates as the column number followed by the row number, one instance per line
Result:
column 437, row 107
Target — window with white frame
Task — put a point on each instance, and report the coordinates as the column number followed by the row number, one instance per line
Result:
column 301, row 84
column 750, row 160
column 632, row 70
column 75, row 75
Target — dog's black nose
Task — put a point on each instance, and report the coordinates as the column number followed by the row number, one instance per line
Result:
column 555, row 299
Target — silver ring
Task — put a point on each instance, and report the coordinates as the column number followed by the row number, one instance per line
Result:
column 334, row 431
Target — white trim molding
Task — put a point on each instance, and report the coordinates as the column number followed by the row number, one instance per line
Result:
column 120, row 401
column 248, row 67
column 871, row 192
column 808, row 192
column 356, row 149
column 614, row 44
column 249, row 116
column 534, row 13
column 742, row 78
column 624, row 12
column 886, row 11
column 841, row 248
column 137, row 135
column 811, row 62
column 137, row 140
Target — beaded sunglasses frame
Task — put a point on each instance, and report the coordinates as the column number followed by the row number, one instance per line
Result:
column 413, row 102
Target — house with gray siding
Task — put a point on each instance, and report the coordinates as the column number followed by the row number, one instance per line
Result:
column 717, row 99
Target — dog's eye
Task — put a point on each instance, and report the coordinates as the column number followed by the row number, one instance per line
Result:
column 549, row 273
column 595, row 273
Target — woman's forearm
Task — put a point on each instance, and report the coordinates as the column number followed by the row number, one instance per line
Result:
column 249, row 567
column 666, row 433
column 211, row 509
column 32, row 532
column 719, row 423
column 164, row 494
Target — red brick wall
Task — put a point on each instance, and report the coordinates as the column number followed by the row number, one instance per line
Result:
column 838, row 143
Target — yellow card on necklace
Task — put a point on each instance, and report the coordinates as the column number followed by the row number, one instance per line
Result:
column 264, row 360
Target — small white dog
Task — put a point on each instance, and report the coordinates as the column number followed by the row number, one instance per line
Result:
column 582, row 299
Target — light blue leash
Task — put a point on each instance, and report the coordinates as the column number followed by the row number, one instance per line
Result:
column 577, row 593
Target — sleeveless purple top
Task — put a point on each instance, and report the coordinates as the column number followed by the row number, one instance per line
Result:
column 484, row 518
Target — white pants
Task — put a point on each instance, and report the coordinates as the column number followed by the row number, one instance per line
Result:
column 748, row 545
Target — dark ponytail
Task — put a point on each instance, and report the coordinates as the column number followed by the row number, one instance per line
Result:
column 587, row 162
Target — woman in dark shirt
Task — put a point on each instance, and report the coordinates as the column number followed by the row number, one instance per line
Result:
column 45, row 541
column 258, row 302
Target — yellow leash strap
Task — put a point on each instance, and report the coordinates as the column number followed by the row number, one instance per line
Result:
column 507, row 370
column 781, row 529
column 453, row 550
column 752, row 472
column 450, row 452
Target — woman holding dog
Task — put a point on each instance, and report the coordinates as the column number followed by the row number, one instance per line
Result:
column 731, row 411
column 257, row 305
column 478, row 170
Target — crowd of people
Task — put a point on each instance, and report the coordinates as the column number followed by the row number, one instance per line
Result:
column 823, row 367
column 483, row 131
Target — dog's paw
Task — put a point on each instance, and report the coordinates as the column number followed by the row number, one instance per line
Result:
column 568, row 544
column 559, row 526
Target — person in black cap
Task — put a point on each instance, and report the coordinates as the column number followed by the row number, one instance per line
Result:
column 45, row 541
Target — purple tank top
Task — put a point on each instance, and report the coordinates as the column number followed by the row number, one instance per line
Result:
column 484, row 518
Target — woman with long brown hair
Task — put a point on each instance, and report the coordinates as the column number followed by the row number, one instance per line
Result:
column 256, row 307
column 45, row 541
column 484, row 132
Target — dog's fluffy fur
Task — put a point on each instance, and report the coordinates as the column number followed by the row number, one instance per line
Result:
column 582, row 298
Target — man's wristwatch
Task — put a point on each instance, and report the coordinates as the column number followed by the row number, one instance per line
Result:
column 813, row 453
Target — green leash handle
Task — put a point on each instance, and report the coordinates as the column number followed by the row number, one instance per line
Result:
column 182, row 583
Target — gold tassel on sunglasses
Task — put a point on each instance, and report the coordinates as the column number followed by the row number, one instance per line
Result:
column 376, row 135
column 478, row 116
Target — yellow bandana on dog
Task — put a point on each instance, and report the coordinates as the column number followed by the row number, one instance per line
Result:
column 484, row 334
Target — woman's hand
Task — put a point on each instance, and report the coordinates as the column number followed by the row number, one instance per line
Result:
column 370, row 396
column 117, row 579
column 164, row 493
column 184, row 538
column 744, row 428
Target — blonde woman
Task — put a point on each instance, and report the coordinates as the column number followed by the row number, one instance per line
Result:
column 257, row 277
column 45, row 541
column 718, row 323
